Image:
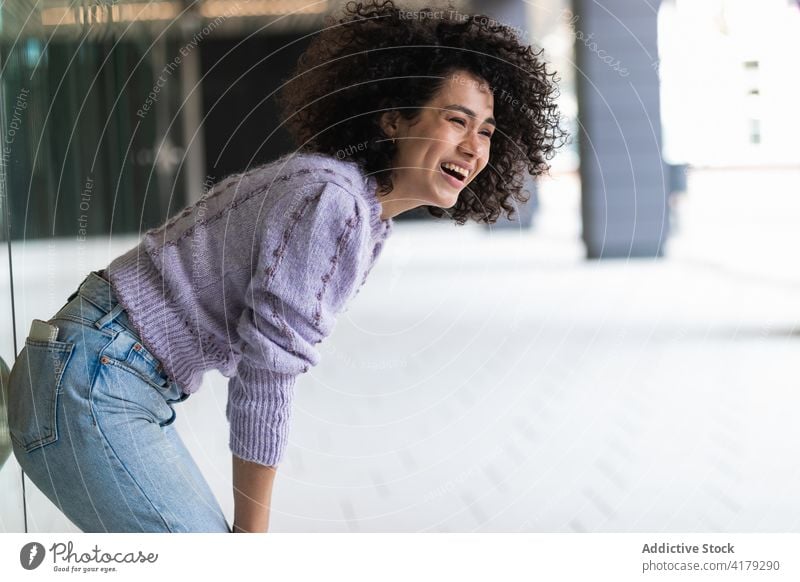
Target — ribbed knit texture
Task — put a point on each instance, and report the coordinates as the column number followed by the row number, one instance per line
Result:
column 248, row 281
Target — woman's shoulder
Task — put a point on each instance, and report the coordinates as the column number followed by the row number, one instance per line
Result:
column 296, row 170
column 337, row 187
column 317, row 186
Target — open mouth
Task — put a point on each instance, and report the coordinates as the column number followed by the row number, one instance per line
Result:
column 455, row 172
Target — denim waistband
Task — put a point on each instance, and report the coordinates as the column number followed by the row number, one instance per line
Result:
column 100, row 293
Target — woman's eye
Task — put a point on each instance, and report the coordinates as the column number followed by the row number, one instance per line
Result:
column 464, row 124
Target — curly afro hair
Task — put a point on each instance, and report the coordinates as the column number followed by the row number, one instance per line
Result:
column 379, row 57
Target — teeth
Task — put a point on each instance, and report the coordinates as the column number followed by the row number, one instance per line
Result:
column 461, row 171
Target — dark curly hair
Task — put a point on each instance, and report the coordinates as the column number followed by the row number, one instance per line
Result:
column 379, row 57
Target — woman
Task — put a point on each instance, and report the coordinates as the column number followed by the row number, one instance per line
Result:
column 392, row 110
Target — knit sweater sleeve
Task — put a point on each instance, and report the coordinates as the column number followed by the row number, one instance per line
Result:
column 306, row 272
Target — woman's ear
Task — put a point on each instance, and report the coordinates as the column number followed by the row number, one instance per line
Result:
column 390, row 123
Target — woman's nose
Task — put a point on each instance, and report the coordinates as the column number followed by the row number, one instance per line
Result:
column 471, row 145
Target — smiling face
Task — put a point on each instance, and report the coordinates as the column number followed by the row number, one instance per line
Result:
column 443, row 148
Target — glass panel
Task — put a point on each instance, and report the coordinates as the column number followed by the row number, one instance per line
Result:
column 80, row 165
column 14, row 117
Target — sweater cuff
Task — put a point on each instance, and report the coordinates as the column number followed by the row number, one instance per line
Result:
column 259, row 412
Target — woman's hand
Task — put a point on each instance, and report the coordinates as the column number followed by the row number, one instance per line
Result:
column 252, row 494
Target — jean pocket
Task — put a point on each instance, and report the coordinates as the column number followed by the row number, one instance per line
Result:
column 34, row 388
column 141, row 363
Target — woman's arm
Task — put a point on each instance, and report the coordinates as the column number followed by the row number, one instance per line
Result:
column 302, row 281
column 252, row 492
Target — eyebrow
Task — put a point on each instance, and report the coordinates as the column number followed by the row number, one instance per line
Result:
column 470, row 112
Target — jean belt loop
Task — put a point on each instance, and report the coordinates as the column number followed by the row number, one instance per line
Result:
column 109, row 317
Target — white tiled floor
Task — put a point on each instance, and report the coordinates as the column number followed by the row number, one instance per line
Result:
column 496, row 381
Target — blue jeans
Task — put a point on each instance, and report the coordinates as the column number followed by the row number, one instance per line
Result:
column 91, row 420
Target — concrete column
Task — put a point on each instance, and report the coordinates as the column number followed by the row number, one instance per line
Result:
column 624, row 180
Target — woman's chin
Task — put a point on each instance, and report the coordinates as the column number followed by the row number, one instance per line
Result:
column 447, row 196
column 444, row 200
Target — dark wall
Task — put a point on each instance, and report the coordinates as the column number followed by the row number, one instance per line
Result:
column 81, row 162
column 240, row 113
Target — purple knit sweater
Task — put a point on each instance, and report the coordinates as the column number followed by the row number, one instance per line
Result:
column 248, row 281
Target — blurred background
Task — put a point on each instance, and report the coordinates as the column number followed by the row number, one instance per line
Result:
column 620, row 357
